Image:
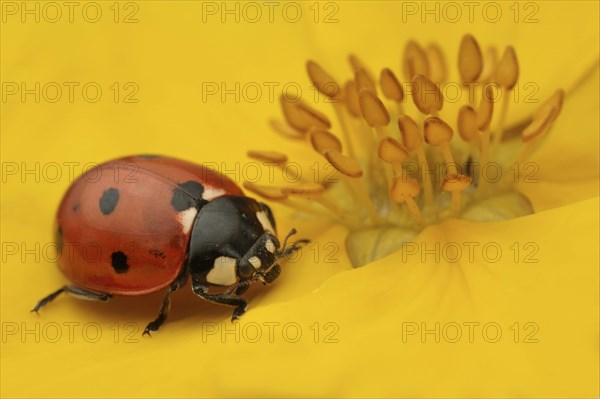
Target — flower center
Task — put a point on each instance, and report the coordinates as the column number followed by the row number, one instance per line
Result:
column 393, row 179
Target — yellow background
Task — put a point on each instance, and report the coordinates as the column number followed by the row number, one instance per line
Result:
column 169, row 53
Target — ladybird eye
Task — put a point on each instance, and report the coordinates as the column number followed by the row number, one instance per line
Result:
column 245, row 270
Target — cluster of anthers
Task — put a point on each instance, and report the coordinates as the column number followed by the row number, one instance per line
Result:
column 409, row 173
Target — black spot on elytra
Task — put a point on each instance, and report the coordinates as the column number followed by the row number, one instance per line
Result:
column 109, row 200
column 157, row 253
column 59, row 240
column 182, row 196
column 119, row 262
column 148, row 156
column 76, row 207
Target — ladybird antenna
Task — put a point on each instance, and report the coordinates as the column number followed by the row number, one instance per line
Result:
column 285, row 250
column 291, row 233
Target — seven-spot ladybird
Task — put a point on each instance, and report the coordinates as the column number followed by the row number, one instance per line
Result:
column 137, row 224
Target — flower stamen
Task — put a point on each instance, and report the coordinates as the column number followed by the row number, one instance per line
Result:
column 276, row 159
column 403, row 190
column 484, row 119
column 437, row 64
column 351, row 99
column 326, row 85
column 455, row 184
column 322, row 80
column 322, row 140
column 391, row 88
column 506, row 75
column 539, row 126
column 490, row 61
column 393, row 152
column 470, row 59
column 415, row 61
column 364, row 82
column 351, row 171
column 285, row 130
column 314, row 192
column 274, row 194
column 270, row 157
column 468, row 130
column 438, row 134
column 374, row 112
column 413, row 141
column 371, row 160
column 427, row 97
column 357, row 64
column 302, row 117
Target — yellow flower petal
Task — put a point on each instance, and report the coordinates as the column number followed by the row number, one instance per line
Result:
column 544, row 304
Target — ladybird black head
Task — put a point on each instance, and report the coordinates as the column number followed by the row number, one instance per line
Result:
column 260, row 259
column 234, row 240
column 271, row 271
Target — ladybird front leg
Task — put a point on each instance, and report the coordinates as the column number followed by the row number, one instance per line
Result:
column 225, row 298
column 75, row 291
column 243, row 287
column 239, row 288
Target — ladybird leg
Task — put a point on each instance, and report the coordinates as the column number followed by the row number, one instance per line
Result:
column 75, row 291
column 44, row 301
column 82, row 293
column 242, row 288
column 239, row 288
column 166, row 303
column 225, row 298
column 181, row 278
column 162, row 314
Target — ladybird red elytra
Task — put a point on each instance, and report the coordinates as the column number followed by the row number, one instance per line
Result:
column 138, row 224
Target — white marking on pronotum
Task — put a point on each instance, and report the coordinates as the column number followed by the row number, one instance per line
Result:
column 186, row 219
column 223, row 271
column 265, row 222
column 270, row 246
column 211, row 193
column 255, row 262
